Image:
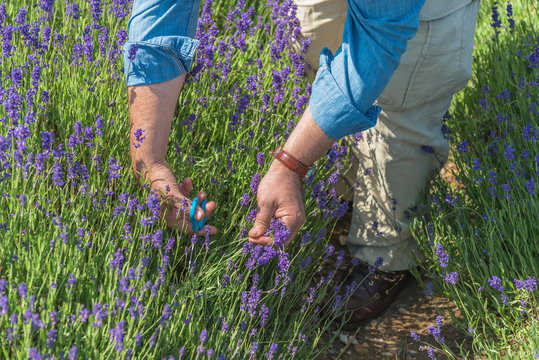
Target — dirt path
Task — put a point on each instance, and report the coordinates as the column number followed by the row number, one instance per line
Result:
column 388, row 336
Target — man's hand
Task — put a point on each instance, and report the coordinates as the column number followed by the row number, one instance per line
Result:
column 176, row 196
column 279, row 193
column 279, row 196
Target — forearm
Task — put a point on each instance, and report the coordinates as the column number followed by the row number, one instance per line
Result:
column 308, row 141
column 151, row 108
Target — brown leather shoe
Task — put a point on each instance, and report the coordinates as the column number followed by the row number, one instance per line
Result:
column 372, row 291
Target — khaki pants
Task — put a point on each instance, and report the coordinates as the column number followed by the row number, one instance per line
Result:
column 399, row 155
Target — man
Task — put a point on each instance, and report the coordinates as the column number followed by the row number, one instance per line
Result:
column 374, row 38
column 399, row 154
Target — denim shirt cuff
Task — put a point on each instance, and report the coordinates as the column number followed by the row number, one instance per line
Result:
column 331, row 109
column 159, row 59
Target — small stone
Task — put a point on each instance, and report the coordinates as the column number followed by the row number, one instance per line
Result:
column 361, row 348
column 403, row 310
column 343, row 338
column 342, row 240
column 382, row 329
column 352, row 339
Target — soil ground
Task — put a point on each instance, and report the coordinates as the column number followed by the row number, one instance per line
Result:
column 388, row 336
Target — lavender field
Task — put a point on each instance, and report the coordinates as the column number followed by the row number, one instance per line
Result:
column 89, row 270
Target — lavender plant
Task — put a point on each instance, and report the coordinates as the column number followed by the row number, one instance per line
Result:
column 480, row 239
column 88, row 268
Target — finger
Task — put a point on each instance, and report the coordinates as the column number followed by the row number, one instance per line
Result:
column 199, row 213
column 262, row 222
column 187, row 186
column 210, row 206
column 201, row 196
column 262, row 240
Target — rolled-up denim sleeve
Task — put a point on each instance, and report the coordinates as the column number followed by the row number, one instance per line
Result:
column 347, row 84
column 161, row 44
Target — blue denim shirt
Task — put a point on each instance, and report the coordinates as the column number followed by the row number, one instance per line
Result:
column 346, row 85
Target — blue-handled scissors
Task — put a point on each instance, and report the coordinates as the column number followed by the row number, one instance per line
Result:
column 197, row 224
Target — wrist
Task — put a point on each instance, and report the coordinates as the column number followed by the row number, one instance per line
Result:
column 291, row 162
column 282, row 171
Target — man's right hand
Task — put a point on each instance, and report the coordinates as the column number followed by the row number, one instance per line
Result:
column 176, row 197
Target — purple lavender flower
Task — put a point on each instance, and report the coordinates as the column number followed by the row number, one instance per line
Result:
column 71, row 281
column 117, row 333
column 138, row 138
column 51, row 338
column 132, row 52
column 260, row 159
column 452, row 277
column 463, row 146
column 203, row 335
column 114, row 168
column 435, row 331
column 414, row 335
column 379, row 262
column 7, row 35
column 165, row 315
column 57, row 175
column 157, row 238
column 530, row 284
column 99, row 314
column 510, row 19
column 255, row 180
column 244, row 199
column 506, row 190
column 72, row 10
column 47, row 138
column 496, row 283
column 23, row 290
column 443, row 256
column 84, row 314
column 272, row 350
column 33, row 354
column 46, row 5
column 16, row 76
column 225, row 280
column 496, row 22
column 254, row 347
column 4, row 305
column 530, row 186
column 73, row 353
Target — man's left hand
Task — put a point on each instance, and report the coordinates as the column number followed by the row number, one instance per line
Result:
column 279, row 196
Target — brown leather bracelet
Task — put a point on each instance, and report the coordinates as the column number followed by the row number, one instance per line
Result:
column 290, row 162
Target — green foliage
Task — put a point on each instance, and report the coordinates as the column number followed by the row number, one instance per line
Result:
column 487, row 224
